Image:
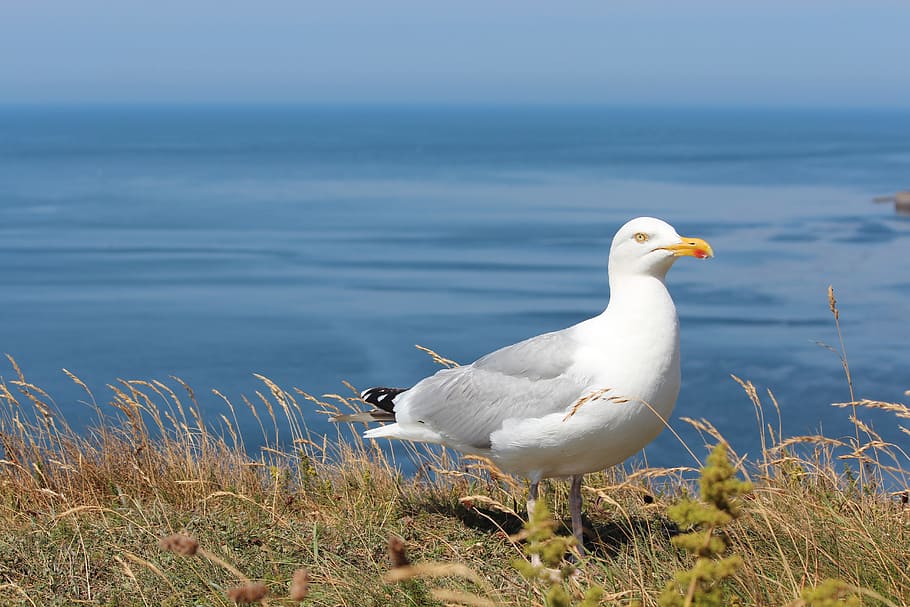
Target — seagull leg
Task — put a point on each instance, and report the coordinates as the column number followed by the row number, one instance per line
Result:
column 532, row 497
column 575, row 509
column 532, row 502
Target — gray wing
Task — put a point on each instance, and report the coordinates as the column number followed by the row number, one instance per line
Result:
column 525, row 380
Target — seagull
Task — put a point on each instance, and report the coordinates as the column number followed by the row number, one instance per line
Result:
column 569, row 402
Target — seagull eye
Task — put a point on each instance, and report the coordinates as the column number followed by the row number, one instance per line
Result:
column 641, row 237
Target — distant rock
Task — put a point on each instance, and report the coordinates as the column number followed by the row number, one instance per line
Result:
column 901, row 201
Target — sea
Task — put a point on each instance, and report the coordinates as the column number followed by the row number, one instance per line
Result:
column 319, row 244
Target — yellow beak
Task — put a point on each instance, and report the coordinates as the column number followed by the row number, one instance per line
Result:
column 692, row 247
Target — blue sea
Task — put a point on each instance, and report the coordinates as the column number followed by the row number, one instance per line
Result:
column 318, row 244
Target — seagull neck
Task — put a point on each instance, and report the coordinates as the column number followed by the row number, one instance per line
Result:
column 638, row 291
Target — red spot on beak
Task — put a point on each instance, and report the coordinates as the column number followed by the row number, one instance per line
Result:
column 700, row 254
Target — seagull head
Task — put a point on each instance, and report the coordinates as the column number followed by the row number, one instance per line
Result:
column 649, row 246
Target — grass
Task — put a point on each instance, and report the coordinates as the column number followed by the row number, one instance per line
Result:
column 87, row 518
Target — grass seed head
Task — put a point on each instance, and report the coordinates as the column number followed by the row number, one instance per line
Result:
column 300, row 585
column 179, row 543
column 397, row 553
column 248, row 593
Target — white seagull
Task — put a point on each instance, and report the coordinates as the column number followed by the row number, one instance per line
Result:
column 565, row 403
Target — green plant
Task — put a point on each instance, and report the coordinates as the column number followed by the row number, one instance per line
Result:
column 830, row 593
column 702, row 585
column 548, row 565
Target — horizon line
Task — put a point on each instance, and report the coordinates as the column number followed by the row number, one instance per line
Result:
column 466, row 104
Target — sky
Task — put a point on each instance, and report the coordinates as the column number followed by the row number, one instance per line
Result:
column 695, row 52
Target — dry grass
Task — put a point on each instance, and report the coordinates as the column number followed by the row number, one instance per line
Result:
column 88, row 518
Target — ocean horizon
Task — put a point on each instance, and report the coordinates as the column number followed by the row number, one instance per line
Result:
column 318, row 244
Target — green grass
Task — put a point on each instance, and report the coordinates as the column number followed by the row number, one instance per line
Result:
column 82, row 514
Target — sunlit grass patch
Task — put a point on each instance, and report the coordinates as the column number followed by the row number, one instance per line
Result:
column 156, row 505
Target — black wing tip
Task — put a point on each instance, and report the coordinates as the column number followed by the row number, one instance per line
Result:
column 381, row 397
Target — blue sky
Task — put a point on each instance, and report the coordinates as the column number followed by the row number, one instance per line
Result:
column 688, row 52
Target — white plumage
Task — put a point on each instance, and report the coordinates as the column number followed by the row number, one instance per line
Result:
column 573, row 401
